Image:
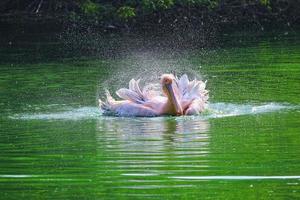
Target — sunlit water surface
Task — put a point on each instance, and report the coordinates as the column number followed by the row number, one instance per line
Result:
column 55, row 142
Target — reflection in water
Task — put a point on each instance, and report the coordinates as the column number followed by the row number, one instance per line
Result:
column 154, row 146
column 154, row 129
column 150, row 126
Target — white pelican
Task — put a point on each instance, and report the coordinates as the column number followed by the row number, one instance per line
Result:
column 179, row 97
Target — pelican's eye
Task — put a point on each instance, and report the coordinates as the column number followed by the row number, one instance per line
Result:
column 167, row 81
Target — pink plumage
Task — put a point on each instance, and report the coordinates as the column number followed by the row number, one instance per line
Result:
column 179, row 97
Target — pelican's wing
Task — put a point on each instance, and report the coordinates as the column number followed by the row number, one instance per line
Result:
column 191, row 90
column 131, row 109
column 195, row 107
column 126, row 109
column 133, row 94
column 183, row 83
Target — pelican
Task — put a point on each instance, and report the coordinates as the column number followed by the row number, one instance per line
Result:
column 178, row 97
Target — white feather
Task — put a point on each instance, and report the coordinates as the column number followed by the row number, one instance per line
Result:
column 183, row 83
column 130, row 95
column 192, row 89
column 133, row 94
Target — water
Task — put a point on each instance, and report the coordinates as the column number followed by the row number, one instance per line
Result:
column 214, row 110
column 56, row 144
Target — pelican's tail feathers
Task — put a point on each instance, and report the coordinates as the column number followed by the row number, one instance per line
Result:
column 109, row 98
column 106, row 106
column 103, row 105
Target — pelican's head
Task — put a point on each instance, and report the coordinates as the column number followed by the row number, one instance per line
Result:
column 170, row 89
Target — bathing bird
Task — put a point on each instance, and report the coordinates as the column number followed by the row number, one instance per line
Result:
column 178, row 96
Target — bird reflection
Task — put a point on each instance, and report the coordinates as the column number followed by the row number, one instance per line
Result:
column 139, row 147
column 153, row 132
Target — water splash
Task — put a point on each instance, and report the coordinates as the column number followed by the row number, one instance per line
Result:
column 218, row 110
column 72, row 114
column 215, row 110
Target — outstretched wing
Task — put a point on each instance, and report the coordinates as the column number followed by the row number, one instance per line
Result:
column 134, row 102
column 134, row 93
column 191, row 90
column 125, row 108
column 194, row 96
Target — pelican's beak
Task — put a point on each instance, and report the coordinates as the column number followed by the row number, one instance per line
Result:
column 174, row 99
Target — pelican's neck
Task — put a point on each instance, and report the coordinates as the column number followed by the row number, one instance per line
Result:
column 173, row 105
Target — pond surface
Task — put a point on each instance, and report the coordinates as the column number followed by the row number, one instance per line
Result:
column 55, row 144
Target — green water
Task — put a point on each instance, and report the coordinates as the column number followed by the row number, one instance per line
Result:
column 55, row 144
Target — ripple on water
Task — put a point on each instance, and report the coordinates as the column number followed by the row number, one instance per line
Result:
column 233, row 177
column 215, row 110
